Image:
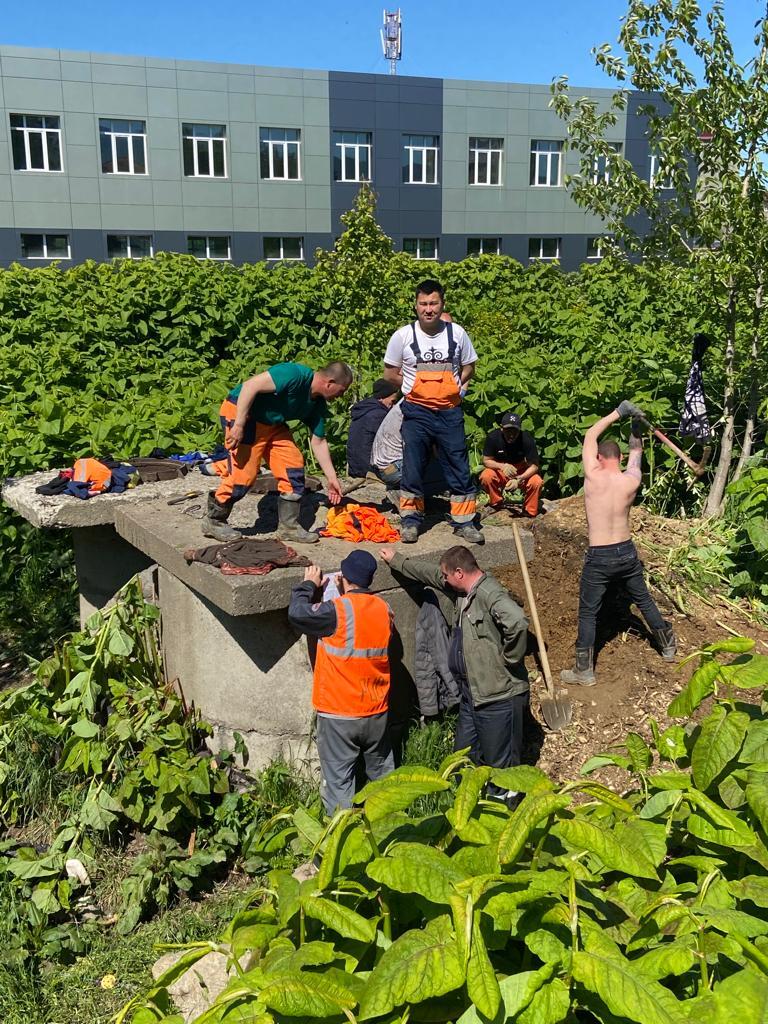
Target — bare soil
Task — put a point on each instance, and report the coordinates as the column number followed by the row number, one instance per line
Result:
column 634, row 684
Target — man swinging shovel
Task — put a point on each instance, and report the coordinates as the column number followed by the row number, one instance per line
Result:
column 611, row 556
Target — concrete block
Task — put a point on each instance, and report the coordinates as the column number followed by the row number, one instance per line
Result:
column 104, row 563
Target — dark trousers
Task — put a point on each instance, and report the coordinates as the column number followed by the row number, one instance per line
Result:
column 340, row 742
column 493, row 732
column 606, row 564
column 422, row 428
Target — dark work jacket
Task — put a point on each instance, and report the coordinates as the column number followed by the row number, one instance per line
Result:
column 366, row 417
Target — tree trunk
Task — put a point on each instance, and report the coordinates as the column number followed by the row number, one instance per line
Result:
column 714, row 505
column 754, row 384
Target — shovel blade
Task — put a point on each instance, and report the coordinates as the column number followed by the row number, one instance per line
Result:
column 557, row 712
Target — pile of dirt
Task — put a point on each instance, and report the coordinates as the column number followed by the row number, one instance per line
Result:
column 633, row 683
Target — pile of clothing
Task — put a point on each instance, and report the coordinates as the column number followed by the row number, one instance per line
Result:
column 356, row 523
column 246, row 557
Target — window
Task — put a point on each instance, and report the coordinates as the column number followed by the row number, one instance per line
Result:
column 655, row 174
column 596, row 248
column 204, row 150
column 123, row 146
column 483, row 246
column 601, row 165
column 280, row 150
column 420, row 159
column 545, row 163
column 485, row 161
column 421, row 248
column 544, row 248
column 45, row 247
column 129, row 247
column 36, row 142
column 351, row 156
column 283, row 248
column 209, row 247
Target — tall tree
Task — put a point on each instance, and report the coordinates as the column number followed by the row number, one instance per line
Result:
column 706, row 121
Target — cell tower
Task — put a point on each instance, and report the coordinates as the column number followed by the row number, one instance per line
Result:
column 392, row 39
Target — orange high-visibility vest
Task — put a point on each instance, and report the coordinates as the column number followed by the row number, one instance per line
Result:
column 352, row 665
column 94, row 473
column 435, row 385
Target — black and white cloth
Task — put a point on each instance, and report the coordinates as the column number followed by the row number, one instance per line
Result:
column 695, row 422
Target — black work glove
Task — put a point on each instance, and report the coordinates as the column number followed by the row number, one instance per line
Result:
column 638, row 427
column 626, row 408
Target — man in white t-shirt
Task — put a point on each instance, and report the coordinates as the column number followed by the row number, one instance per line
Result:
column 432, row 360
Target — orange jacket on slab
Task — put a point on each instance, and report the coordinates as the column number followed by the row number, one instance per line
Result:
column 352, row 665
column 359, row 522
column 94, row 473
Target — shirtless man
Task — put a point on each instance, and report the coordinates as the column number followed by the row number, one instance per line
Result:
column 611, row 556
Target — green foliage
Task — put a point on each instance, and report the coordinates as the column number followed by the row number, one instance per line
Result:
column 649, row 907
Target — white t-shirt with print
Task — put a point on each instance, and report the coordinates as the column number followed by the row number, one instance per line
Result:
column 400, row 354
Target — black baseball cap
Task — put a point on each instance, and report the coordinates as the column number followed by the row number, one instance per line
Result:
column 511, row 419
column 384, row 388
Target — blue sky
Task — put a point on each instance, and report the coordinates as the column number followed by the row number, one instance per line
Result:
column 494, row 40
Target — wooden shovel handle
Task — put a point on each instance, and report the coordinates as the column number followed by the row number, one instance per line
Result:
column 534, row 612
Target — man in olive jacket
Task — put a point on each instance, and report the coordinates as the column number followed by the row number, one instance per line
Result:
column 489, row 636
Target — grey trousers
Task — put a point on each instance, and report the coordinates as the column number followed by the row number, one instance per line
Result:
column 340, row 741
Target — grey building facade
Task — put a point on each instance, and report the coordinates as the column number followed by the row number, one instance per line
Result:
column 105, row 156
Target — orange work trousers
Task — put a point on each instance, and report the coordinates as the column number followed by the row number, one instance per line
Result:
column 493, row 482
column 273, row 444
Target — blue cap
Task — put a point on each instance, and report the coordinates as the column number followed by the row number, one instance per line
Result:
column 359, row 567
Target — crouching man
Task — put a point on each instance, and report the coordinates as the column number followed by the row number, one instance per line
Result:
column 351, row 681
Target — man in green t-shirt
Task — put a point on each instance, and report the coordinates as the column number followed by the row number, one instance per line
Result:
column 255, row 415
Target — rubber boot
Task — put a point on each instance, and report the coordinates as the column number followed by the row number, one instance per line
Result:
column 215, row 523
column 667, row 644
column 289, row 527
column 469, row 533
column 582, row 674
column 409, row 534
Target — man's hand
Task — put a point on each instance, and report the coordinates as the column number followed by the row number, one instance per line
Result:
column 334, row 490
column 387, row 554
column 234, row 437
column 313, row 574
column 510, row 472
column 638, row 427
column 626, row 408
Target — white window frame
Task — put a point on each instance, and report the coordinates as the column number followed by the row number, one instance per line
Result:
column 541, row 258
column 210, row 140
column 654, row 173
column 128, row 237
column 221, row 259
column 419, row 242
column 130, row 136
column 46, row 235
column 483, row 239
column 357, row 147
column 424, row 150
column 599, row 243
column 44, row 131
column 282, row 239
column 272, row 145
column 604, row 176
column 545, row 157
column 476, row 151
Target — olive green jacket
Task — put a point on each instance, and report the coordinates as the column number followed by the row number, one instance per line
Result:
column 494, row 630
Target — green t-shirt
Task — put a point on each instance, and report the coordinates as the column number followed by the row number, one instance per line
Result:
column 291, row 399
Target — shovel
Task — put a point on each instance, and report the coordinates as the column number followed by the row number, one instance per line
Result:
column 556, row 711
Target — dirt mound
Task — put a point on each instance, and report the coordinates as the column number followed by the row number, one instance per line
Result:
column 633, row 683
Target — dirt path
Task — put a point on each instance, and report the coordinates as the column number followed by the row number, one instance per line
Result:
column 634, row 684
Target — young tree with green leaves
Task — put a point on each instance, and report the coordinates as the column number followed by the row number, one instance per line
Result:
column 706, row 117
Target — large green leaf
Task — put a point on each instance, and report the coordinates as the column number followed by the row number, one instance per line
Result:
column 410, row 867
column 626, row 990
column 757, row 797
column 471, row 786
column 522, row 778
column 751, row 887
column 482, row 986
column 743, row 995
column 420, row 965
column 639, row 752
column 339, row 918
column 720, row 739
column 517, row 991
column 701, row 828
column 398, row 791
column 660, row 802
column 550, row 1004
column 534, row 809
column 587, row 835
column 700, row 685
column 748, row 673
column 755, row 746
column 671, row 958
column 303, row 994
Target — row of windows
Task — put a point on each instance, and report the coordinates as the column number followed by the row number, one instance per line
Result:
column 56, row 246
column 36, row 144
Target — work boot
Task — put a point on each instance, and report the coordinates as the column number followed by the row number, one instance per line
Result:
column 409, row 534
column 289, row 527
column 392, row 500
column 215, row 522
column 667, row 644
column 469, row 533
column 582, row 674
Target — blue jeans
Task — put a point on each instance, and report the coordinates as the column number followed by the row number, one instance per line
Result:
column 444, row 429
column 606, row 564
column 390, row 475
